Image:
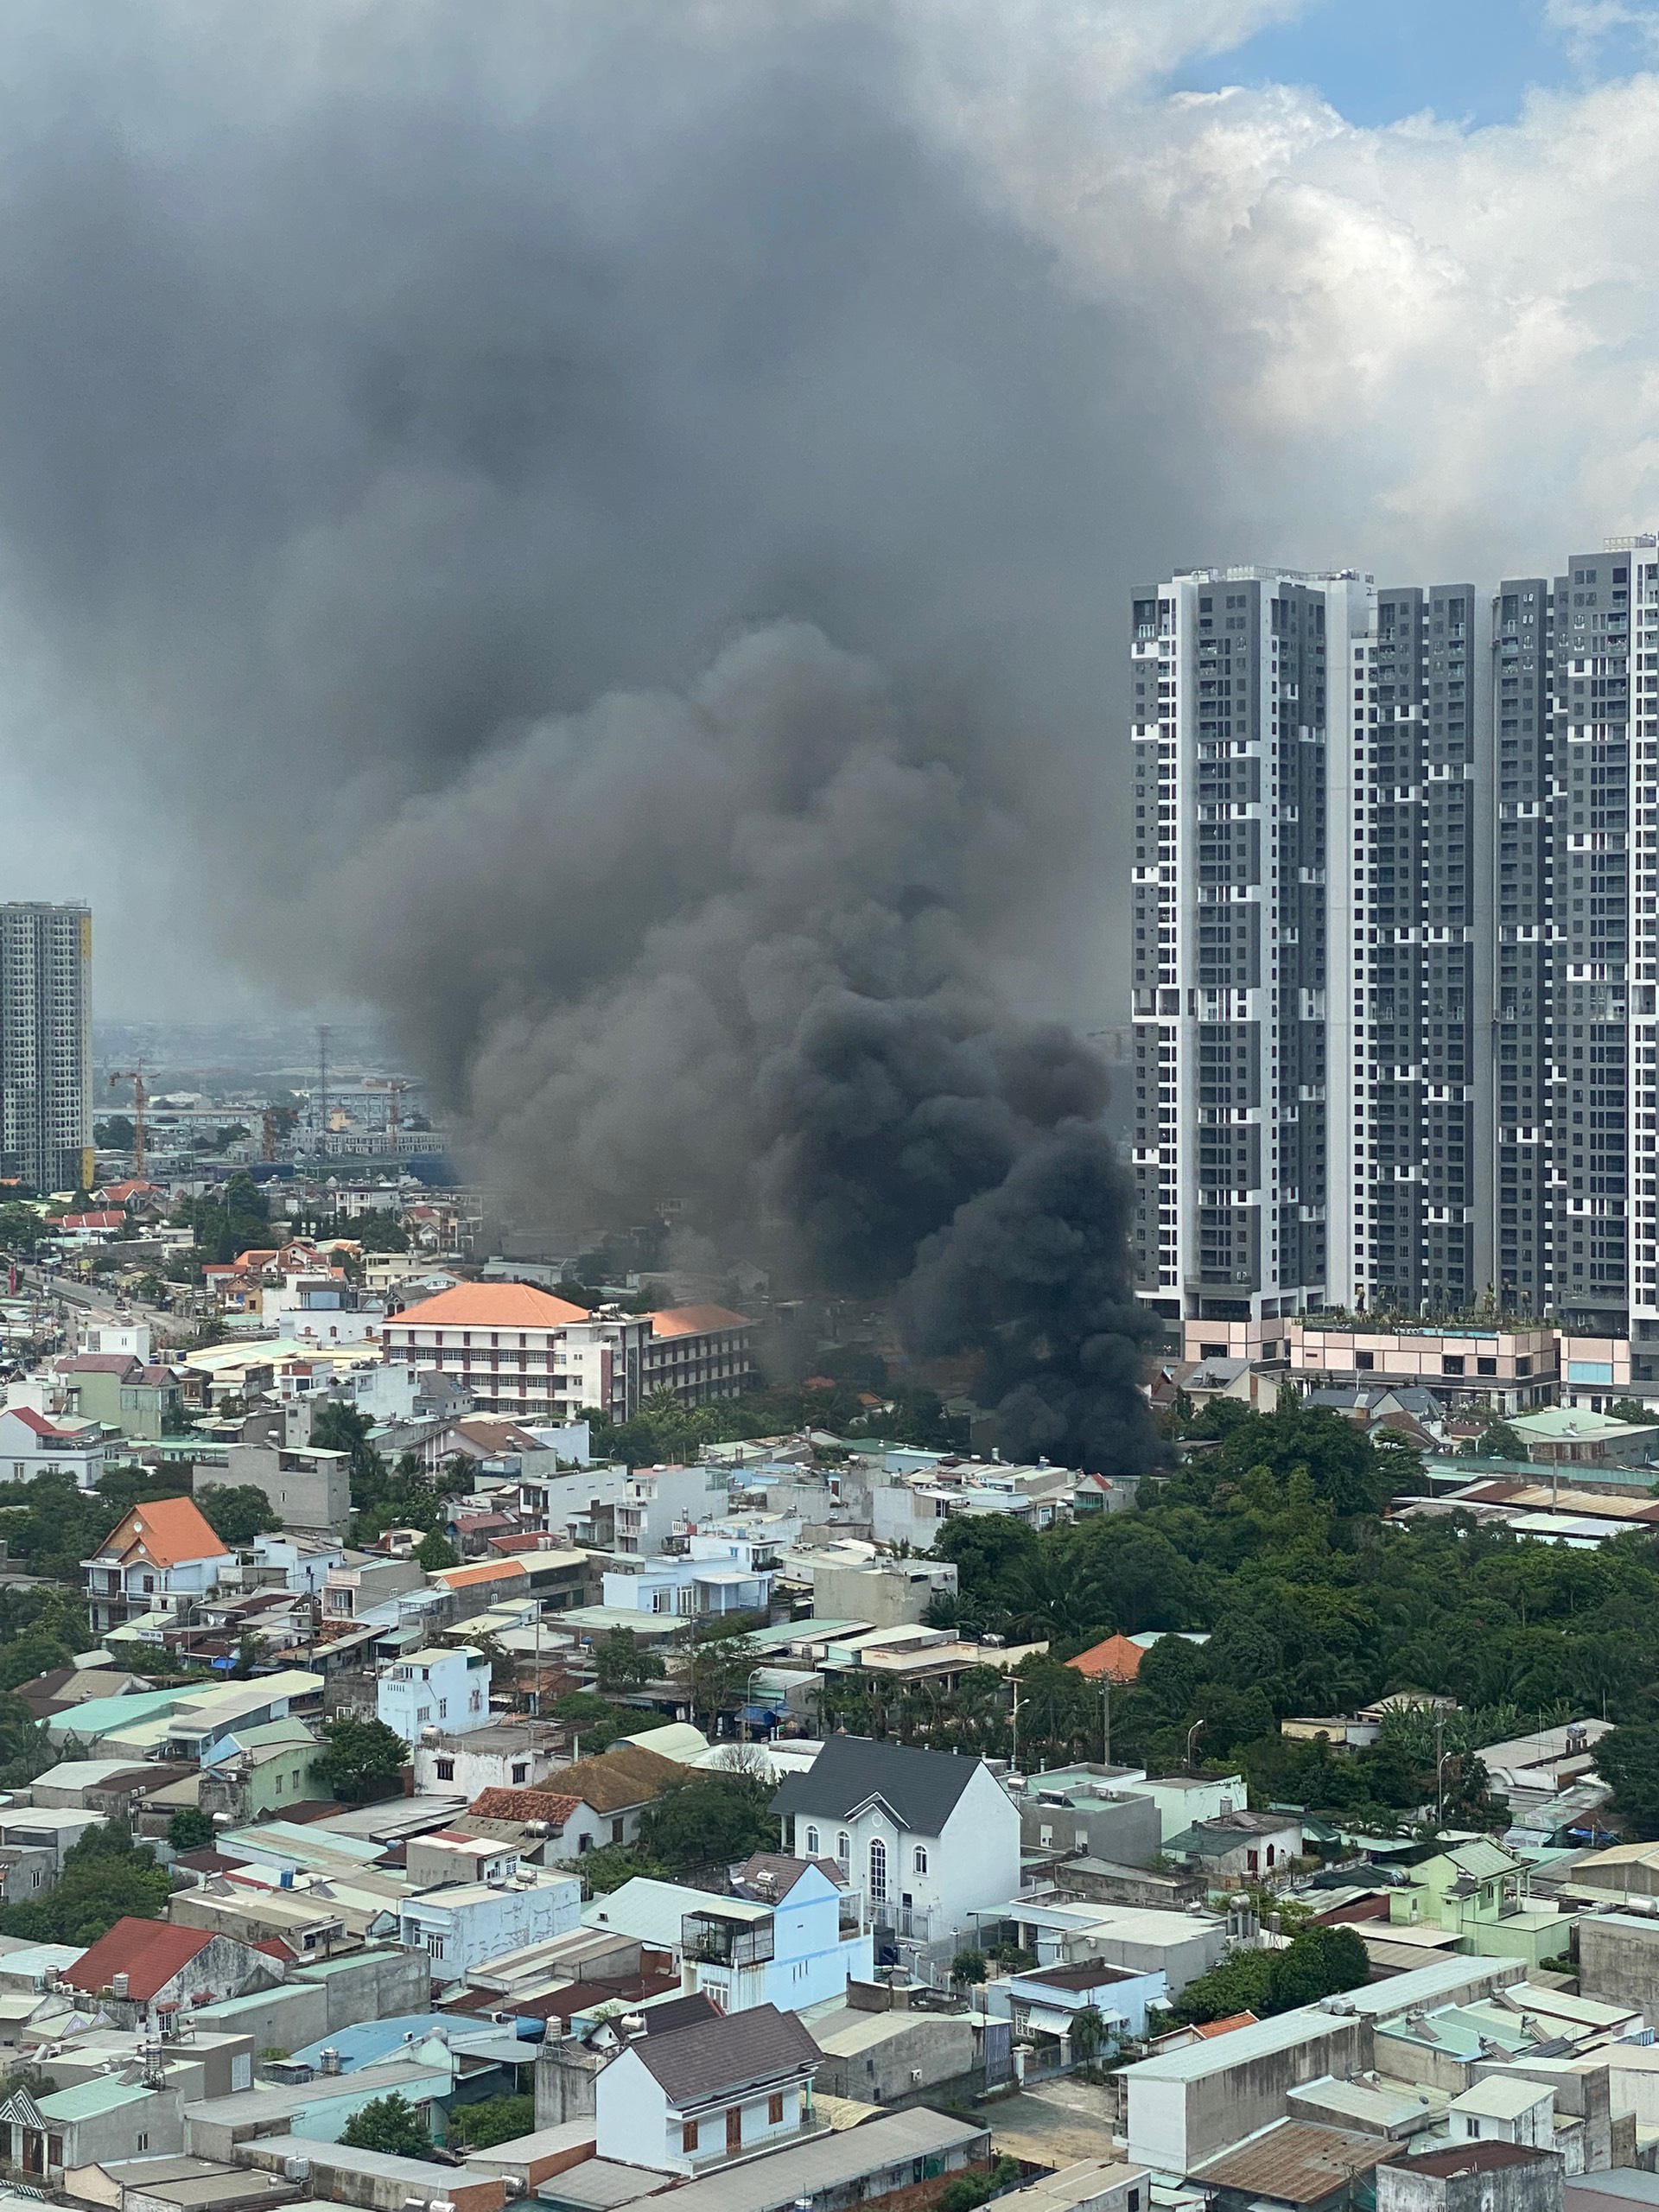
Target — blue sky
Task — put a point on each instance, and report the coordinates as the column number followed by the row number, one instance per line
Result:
column 1469, row 60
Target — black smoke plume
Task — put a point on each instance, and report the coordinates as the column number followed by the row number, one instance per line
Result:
column 581, row 527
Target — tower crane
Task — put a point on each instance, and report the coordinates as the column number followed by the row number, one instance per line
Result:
column 140, row 1100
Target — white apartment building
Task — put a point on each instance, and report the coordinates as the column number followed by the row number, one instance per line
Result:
column 446, row 1689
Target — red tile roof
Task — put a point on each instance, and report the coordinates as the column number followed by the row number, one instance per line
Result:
column 148, row 1952
column 548, row 1805
column 492, row 1305
column 1117, row 1659
column 695, row 1320
column 170, row 1530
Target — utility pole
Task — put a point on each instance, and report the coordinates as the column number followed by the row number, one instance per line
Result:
column 1106, row 1720
column 1015, row 1760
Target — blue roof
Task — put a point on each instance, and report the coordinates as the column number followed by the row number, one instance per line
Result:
column 369, row 2042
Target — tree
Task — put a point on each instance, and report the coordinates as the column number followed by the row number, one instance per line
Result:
column 1629, row 1759
column 238, row 1512
column 1499, row 1441
column 492, row 2119
column 1089, row 2033
column 435, row 1552
column 621, row 1661
column 189, row 1829
column 360, row 1761
column 969, row 1967
column 712, row 1818
column 104, row 1878
column 716, row 1672
column 1318, row 1962
column 389, row 2125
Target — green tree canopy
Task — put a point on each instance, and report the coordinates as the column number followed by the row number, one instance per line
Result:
column 238, row 1511
column 360, row 1761
column 389, row 2125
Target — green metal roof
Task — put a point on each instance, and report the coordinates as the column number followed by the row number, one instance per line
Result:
column 87, row 2099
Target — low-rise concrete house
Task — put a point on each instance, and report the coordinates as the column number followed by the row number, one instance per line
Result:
column 1045, row 2000
column 459, row 1928
column 144, row 1964
column 445, row 1856
column 1090, row 1819
column 1483, row 1892
column 308, row 1486
column 1240, row 1846
column 371, row 2179
column 1473, row 2177
column 883, row 1592
column 123, row 1393
column 789, row 1936
column 153, row 1560
column 507, row 1755
column 1503, row 2109
column 1188, row 2106
column 149, row 2183
column 880, row 2049
column 1179, row 1945
column 319, row 2110
column 694, row 2098
column 1184, row 1800
column 875, row 2166
column 605, row 1798
column 94, row 2121
column 442, row 1687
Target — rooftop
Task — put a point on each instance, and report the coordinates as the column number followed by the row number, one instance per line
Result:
column 921, row 1787
column 148, row 1952
column 492, row 1305
column 709, row 2062
column 1296, row 2161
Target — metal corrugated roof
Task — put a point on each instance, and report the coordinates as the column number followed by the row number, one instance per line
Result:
column 1297, row 2161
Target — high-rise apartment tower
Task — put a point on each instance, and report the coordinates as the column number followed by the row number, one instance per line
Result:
column 46, row 1044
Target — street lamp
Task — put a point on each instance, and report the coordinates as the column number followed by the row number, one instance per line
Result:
column 1191, row 1733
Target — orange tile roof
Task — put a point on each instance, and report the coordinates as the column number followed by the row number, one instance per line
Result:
column 692, row 1320
column 1209, row 2028
column 148, row 1952
column 492, row 1306
column 1117, row 1658
column 463, row 1578
column 170, row 1530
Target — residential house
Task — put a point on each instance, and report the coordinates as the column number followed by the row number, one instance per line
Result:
column 374, row 2180
column 308, row 1486
column 1504, row 2109
column 155, row 1559
column 1183, row 1799
column 1046, row 2000
column 296, row 1560
column 1489, row 2177
column 142, row 1966
column 121, row 1392
column 1116, row 1661
column 690, row 1587
column 258, row 1772
column 445, row 1856
column 33, row 1444
column 96, row 2121
column 681, row 2102
column 790, row 1936
column 460, row 1926
column 659, row 1503
column 511, row 1755
column 611, row 1794
column 1240, row 1846
column 930, row 1837
column 1096, row 1817
column 365, row 1591
column 882, row 1592
column 437, row 1688
column 1483, row 1892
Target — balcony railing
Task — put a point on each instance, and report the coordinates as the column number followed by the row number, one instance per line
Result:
column 713, row 1940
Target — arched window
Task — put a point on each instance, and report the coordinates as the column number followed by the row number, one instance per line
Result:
column 921, row 1860
column 812, row 1843
column 843, row 1847
column 877, row 1871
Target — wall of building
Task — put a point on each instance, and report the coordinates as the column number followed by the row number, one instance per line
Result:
column 1126, row 1830
column 1179, row 2116
column 318, row 1495
column 1535, row 2187
column 1618, row 1960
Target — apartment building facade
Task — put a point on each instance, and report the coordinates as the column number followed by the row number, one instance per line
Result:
column 45, row 1045
column 1396, row 946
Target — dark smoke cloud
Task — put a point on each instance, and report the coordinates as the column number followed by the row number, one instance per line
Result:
column 607, row 547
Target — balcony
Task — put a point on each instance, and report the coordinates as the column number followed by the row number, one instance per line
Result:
column 723, row 1940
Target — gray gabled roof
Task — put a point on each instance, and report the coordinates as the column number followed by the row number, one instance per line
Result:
column 919, row 1787
column 720, row 2058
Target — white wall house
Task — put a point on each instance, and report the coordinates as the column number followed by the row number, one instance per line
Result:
column 795, row 1947
column 459, row 1927
column 434, row 1688
column 34, row 1443
column 504, row 1756
column 659, row 1503
column 697, row 2096
column 688, row 1587
column 928, row 1836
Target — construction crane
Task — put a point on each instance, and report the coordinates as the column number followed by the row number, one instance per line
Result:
column 140, row 1100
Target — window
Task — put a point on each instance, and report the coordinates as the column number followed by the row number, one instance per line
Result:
column 688, row 2135
column 843, row 1847
column 143, row 2145
column 616, row 1831
column 446, row 1770
column 433, row 1945
column 920, row 1860
column 878, row 1870
column 812, row 1843
column 521, row 1769
column 733, row 2127
column 775, row 2111
column 443, row 1708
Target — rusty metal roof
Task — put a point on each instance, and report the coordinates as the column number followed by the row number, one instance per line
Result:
column 1297, row 2161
